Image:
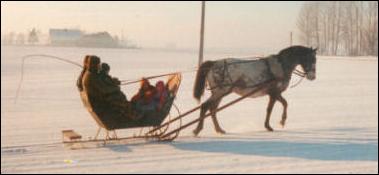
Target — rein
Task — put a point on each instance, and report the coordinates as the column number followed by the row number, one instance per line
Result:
column 300, row 74
column 39, row 55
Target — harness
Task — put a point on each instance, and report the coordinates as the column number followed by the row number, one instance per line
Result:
column 225, row 72
column 272, row 64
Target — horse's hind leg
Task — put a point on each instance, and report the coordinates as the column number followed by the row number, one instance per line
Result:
column 269, row 110
column 203, row 109
column 213, row 109
column 285, row 105
column 215, row 98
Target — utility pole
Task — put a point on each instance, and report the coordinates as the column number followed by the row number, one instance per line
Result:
column 202, row 33
column 291, row 38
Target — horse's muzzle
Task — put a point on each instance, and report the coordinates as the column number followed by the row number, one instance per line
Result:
column 311, row 75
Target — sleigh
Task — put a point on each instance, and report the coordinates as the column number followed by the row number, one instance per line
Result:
column 151, row 118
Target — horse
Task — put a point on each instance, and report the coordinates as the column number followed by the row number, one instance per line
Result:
column 241, row 76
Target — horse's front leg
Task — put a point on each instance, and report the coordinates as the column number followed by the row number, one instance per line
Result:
column 268, row 114
column 284, row 114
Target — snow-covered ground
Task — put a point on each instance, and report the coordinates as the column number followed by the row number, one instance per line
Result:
column 332, row 122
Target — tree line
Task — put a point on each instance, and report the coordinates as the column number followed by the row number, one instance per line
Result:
column 340, row 28
column 20, row 38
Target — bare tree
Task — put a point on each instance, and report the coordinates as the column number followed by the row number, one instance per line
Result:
column 33, row 37
column 304, row 24
column 370, row 29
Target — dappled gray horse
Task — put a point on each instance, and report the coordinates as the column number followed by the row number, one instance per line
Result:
column 242, row 76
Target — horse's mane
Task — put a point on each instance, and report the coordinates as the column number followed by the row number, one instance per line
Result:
column 295, row 50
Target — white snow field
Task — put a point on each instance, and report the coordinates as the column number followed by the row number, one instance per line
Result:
column 332, row 124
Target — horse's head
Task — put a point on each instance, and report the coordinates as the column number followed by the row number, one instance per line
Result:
column 304, row 56
column 308, row 62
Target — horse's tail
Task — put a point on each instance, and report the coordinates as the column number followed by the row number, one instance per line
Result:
column 201, row 75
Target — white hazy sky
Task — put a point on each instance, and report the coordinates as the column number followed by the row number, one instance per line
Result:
column 231, row 25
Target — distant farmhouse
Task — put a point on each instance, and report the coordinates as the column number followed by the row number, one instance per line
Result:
column 101, row 39
column 64, row 37
column 75, row 37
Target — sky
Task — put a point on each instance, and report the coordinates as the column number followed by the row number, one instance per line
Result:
column 228, row 25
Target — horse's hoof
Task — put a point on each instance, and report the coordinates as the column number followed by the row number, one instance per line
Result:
column 222, row 132
column 195, row 132
column 282, row 123
column 269, row 129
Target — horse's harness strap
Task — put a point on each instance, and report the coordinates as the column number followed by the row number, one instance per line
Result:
column 268, row 67
column 274, row 67
column 225, row 73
